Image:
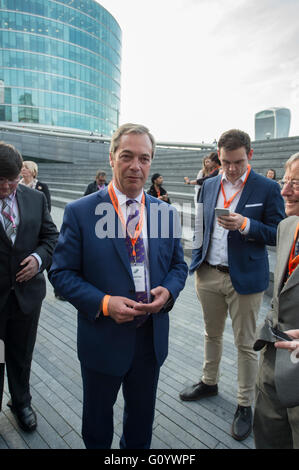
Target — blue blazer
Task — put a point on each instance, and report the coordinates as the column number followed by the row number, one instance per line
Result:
column 263, row 204
column 86, row 267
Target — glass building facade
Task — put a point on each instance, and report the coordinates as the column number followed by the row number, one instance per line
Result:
column 60, row 64
column 272, row 123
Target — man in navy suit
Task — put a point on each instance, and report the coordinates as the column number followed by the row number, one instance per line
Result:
column 104, row 268
column 231, row 267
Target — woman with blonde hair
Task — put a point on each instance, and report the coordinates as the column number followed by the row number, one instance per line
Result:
column 29, row 178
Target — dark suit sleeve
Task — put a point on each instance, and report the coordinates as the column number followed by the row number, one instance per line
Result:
column 90, row 189
column 47, row 237
column 66, row 270
column 45, row 190
column 264, row 230
column 176, row 277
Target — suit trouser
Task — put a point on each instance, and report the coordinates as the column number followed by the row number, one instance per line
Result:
column 18, row 331
column 218, row 297
column 274, row 425
column 139, row 386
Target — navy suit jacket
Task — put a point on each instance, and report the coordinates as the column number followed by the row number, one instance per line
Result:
column 263, row 204
column 86, row 267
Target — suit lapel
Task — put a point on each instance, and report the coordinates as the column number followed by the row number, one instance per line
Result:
column 153, row 243
column 22, row 213
column 247, row 191
column 118, row 241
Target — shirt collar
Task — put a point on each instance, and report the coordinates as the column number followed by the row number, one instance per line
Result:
column 122, row 198
column 238, row 182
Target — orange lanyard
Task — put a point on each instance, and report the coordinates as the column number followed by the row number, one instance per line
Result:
column 158, row 192
column 294, row 261
column 139, row 226
column 228, row 203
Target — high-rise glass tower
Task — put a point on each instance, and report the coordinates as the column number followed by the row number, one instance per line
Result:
column 272, row 123
column 60, row 64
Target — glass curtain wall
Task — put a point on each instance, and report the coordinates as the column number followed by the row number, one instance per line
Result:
column 60, row 64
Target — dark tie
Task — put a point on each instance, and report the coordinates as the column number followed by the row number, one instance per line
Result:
column 297, row 247
column 140, row 252
column 7, row 215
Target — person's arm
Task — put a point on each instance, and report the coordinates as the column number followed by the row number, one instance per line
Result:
column 264, row 230
column 66, row 276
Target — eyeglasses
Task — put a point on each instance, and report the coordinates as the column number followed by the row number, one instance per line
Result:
column 293, row 183
column 9, row 182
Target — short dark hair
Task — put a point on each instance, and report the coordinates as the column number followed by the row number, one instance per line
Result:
column 11, row 161
column 234, row 139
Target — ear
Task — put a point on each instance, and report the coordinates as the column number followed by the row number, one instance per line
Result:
column 111, row 161
column 250, row 154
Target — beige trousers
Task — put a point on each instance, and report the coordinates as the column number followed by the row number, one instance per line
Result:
column 218, row 297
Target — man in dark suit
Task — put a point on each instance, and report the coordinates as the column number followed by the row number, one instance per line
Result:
column 122, row 269
column 27, row 239
column 230, row 262
column 98, row 184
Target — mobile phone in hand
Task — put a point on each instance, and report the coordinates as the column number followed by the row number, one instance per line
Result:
column 280, row 335
column 219, row 211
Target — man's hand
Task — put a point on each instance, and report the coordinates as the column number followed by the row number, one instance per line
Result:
column 122, row 309
column 161, row 295
column 290, row 345
column 29, row 271
column 233, row 221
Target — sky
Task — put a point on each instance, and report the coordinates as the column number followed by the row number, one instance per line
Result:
column 192, row 69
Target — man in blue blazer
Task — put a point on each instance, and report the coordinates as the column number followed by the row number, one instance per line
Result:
column 231, row 266
column 104, row 268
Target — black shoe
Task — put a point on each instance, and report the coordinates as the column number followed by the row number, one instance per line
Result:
column 198, row 391
column 242, row 424
column 26, row 417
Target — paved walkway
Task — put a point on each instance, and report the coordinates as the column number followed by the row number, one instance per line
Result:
column 57, row 389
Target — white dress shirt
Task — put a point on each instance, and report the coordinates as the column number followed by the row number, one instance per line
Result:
column 11, row 200
column 218, row 253
column 122, row 201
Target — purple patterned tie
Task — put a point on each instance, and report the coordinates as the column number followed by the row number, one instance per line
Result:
column 140, row 252
column 297, row 247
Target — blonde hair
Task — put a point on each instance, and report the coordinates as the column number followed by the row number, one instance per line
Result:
column 32, row 166
column 130, row 128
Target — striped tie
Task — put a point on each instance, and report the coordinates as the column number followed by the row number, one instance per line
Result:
column 140, row 252
column 7, row 215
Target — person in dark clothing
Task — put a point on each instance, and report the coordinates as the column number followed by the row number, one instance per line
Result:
column 98, row 184
column 156, row 189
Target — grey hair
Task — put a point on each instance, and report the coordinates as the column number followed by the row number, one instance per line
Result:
column 291, row 160
column 130, row 128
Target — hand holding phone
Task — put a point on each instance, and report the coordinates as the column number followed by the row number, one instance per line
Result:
column 219, row 211
column 280, row 335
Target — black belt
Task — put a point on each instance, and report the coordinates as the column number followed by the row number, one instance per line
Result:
column 218, row 267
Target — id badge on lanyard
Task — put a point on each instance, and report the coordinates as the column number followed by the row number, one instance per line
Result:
column 138, row 276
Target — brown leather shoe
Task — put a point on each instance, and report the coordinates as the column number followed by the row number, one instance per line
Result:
column 198, row 391
column 242, row 424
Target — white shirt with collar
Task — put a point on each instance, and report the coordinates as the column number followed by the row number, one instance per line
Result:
column 12, row 203
column 122, row 201
column 218, row 251
column 11, row 200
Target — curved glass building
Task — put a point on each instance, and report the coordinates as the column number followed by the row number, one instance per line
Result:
column 272, row 123
column 60, row 64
